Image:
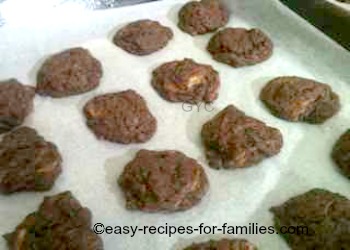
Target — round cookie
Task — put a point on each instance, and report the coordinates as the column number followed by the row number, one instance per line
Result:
column 234, row 140
column 223, row 244
column 121, row 117
column 61, row 222
column 240, row 47
column 341, row 153
column 300, row 99
column 143, row 37
column 202, row 17
column 186, row 81
column 27, row 162
column 165, row 181
column 323, row 218
column 70, row 72
column 16, row 103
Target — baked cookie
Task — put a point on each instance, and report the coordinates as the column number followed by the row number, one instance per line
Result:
column 341, row 153
column 200, row 17
column 121, row 117
column 186, row 81
column 166, row 181
column 70, row 72
column 16, row 103
column 143, row 37
column 27, row 162
column 240, row 47
column 323, row 218
column 234, row 140
column 223, row 244
column 300, row 99
column 60, row 223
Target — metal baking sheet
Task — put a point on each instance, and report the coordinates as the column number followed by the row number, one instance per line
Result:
column 236, row 197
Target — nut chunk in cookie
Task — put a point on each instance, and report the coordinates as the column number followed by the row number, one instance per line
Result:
column 61, row 222
column 186, row 81
column 200, row 17
column 300, row 99
column 16, row 103
column 235, row 140
column 27, row 162
column 239, row 47
column 163, row 181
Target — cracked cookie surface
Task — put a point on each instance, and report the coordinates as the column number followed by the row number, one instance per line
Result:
column 163, row 181
column 70, row 72
column 186, row 81
column 235, row 140
column 27, row 162
column 240, row 47
column 121, row 117
column 200, row 17
column 300, row 99
column 143, row 37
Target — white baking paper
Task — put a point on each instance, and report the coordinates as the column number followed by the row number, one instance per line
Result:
column 236, row 197
column 343, row 5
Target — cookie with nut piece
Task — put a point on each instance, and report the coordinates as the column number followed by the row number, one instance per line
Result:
column 186, row 81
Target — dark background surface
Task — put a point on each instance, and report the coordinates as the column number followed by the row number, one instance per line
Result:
column 329, row 18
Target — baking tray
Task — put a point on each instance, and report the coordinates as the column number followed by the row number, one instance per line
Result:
column 236, row 197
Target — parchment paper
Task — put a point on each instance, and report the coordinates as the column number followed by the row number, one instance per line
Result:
column 341, row 4
column 91, row 167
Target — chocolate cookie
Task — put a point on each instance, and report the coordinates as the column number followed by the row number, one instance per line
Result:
column 163, row 181
column 121, row 117
column 186, row 81
column 234, row 140
column 27, row 162
column 240, row 47
column 202, row 17
column 223, row 244
column 323, row 219
column 60, row 223
column 16, row 102
column 70, row 72
column 143, row 37
column 299, row 99
column 341, row 153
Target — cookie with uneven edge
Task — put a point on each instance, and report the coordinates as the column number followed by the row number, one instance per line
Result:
column 239, row 47
column 16, row 103
column 341, row 153
column 70, row 72
column 201, row 17
column 61, row 222
column 323, row 218
column 223, row 244
column 163, row 181
column 27, row 162
column 300, row 99
column 186, row 81
column 235, row 140
column 143, row 37
column 121, row 117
